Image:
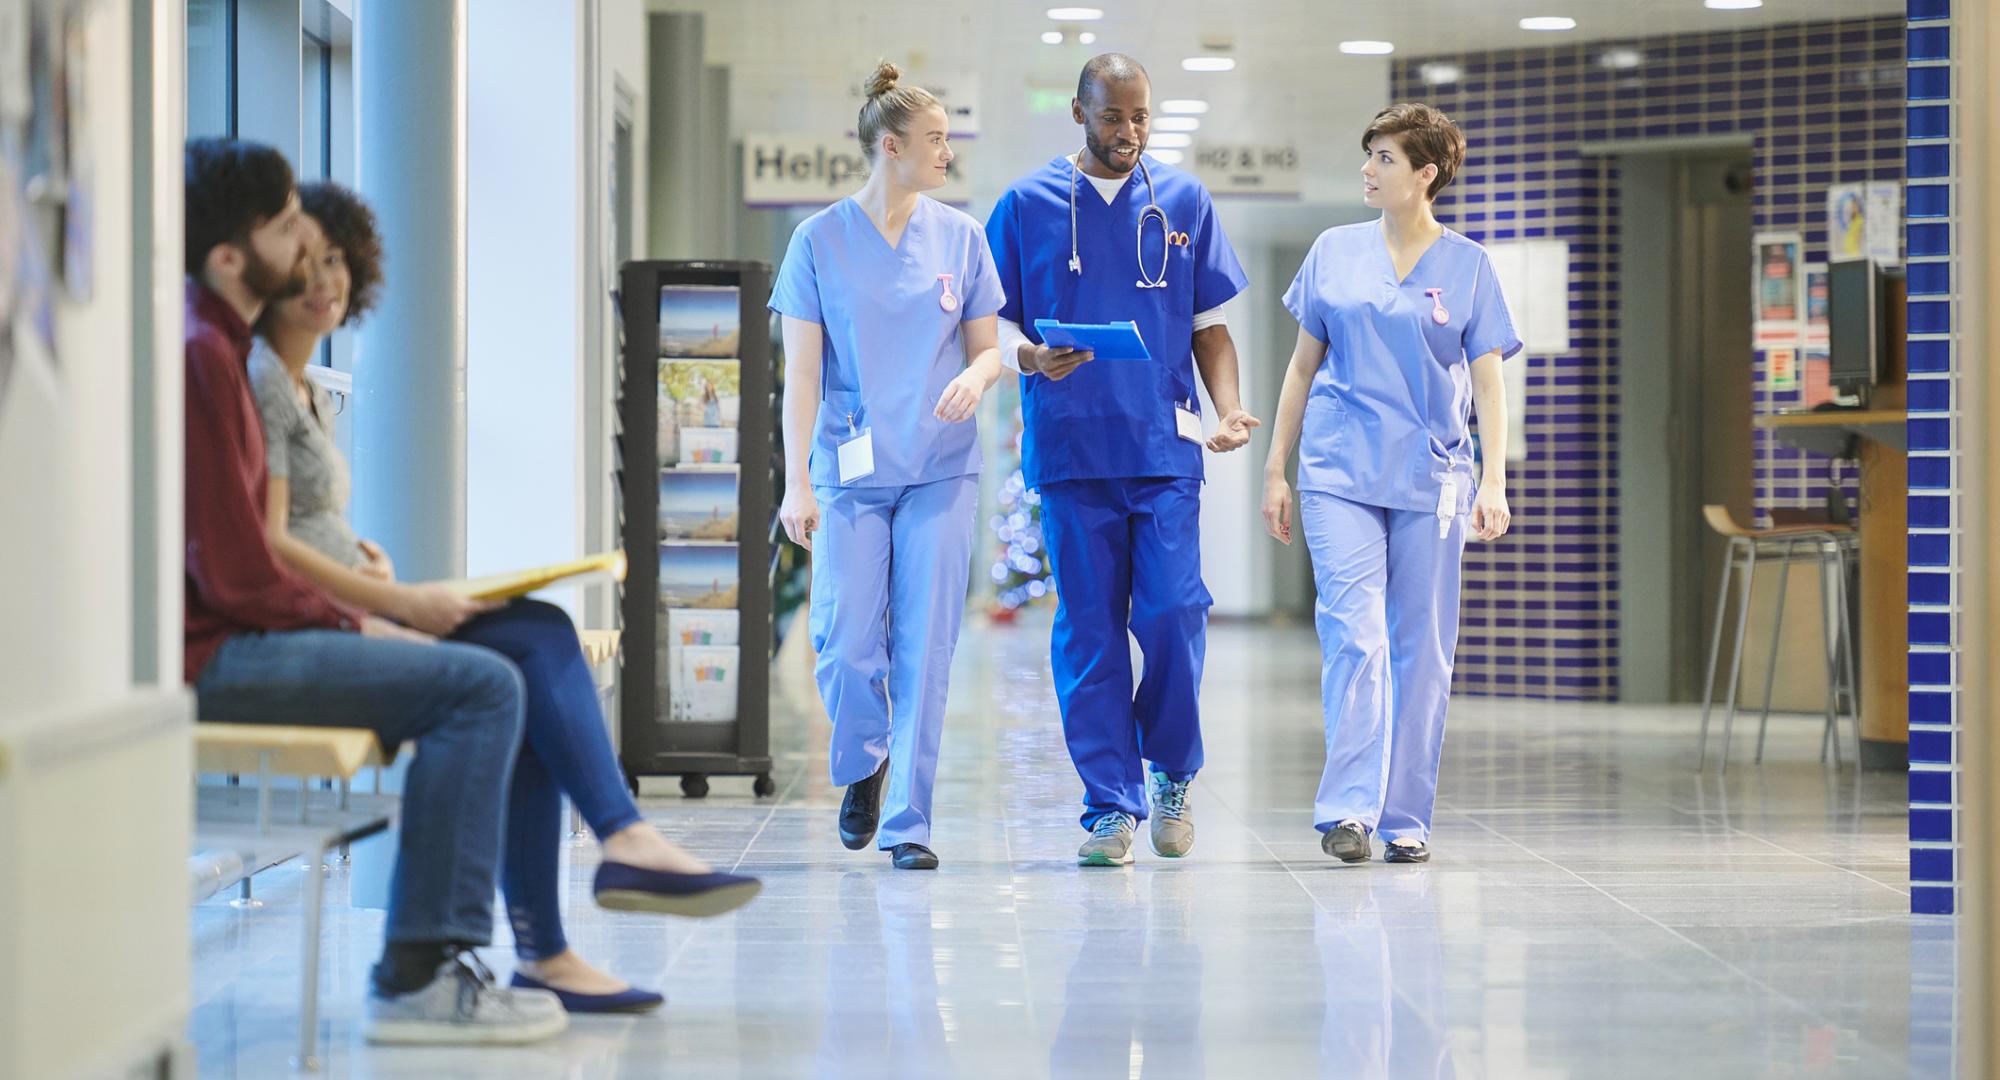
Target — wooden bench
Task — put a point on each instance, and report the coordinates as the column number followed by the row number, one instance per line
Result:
column 242, row 829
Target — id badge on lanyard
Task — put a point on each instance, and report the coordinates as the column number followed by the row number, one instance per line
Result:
column 856, row 453
column 1447, row 505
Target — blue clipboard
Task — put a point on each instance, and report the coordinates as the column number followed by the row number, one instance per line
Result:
column 1106, row 341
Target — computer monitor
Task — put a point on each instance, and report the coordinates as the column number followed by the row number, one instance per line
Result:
column 1854, row 324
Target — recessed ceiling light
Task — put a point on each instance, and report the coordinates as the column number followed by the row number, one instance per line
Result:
column 1184, row 105
column 1176, row 123
column 1367, row 48
column 1208, row 63
column 1170, row 157
column 1051, row 37
column 1076, row 14
column 1172, row 140
column 1087, row 38
column 1620, row 59
column 1732, row 5
column 1548, row 22
column 1439, row 73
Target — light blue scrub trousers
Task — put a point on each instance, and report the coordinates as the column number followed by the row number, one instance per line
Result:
column 1387, row 615
column 890, row 569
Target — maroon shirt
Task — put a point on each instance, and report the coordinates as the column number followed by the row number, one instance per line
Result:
column 235, row 583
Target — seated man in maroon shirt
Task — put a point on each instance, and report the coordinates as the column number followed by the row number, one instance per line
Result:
column 265, row 646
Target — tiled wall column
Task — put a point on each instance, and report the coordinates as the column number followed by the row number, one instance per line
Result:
column 1934, row 517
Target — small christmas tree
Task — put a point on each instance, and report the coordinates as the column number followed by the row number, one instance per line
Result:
column 1020, row 570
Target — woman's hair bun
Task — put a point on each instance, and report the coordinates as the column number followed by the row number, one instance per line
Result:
column 885, row 79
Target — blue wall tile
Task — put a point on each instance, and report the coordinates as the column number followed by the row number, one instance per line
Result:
column 1932, row 900
column 1929, row 43
column 1931, row 786
column 1930, row 747
column 1930, row 824
column 1930, row 864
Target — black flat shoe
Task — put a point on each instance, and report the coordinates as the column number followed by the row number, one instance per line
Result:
column 1347, row 842
column 860, row 810
column 914, row 857
column 1406, row 853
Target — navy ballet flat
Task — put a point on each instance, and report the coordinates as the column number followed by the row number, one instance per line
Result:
column 629, row 1000
column 622, row 887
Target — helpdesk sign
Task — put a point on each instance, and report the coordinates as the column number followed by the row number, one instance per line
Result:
column 809, row 170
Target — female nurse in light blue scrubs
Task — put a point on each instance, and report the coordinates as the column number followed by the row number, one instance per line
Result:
column 1402, row 330
column 884, row 296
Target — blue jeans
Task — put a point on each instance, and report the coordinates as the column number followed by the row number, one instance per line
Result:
column 462, row 703
column 567, row 750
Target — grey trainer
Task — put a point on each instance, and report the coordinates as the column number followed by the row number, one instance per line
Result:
column 463, row 1006
column 1110, row 842
column 1173, row 833
column 1347, row 841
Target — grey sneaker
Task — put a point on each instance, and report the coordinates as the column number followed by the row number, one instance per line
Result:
column 462, row 1006
column 1110, row 842
column 1347, row 841
column 1173, row 833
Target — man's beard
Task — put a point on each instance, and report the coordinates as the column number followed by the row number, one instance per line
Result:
column 270, row 284
column 1102, row 153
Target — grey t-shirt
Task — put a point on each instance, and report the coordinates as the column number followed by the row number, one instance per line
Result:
column 298, row 442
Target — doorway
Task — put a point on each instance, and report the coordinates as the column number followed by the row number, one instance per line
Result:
column 1683, row 414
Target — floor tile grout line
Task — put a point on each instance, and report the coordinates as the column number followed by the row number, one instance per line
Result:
column 1739, row 830
column 1691, row 943
column 1268, row 850
column 790, row 785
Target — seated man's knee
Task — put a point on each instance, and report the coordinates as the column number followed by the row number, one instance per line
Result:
column 489, row 684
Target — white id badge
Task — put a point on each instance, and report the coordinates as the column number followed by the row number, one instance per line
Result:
column 857, row 456
column 1447, row 505
column 1188, row 424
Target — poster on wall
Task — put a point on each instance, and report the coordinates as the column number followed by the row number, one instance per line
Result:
column 1846, row 222
column 1780, row 282
column 1783, row 365
column 1816, row 303
column 1885, row 222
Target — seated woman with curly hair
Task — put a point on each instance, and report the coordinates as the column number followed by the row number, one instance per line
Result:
column 566, row 749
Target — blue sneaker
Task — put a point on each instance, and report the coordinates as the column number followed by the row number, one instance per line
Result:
column 1110, row 842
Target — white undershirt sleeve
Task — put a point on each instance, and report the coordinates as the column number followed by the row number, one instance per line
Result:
column 1211, row 317
column 1011, row 340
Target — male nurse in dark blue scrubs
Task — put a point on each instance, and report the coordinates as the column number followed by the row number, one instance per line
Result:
column 1107, row 234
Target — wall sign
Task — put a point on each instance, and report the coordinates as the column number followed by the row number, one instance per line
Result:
column 814, row 170
column 1239, row 169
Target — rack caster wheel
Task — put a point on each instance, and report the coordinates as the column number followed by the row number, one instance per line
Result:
column 694, row 785
column 632, row 784
column 764, row 786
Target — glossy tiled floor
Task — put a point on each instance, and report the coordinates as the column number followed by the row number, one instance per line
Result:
column 1595, row 910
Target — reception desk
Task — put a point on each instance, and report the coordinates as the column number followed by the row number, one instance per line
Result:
column 1883, row 519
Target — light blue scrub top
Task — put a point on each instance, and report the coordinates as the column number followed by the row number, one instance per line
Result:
column 1386, row 421
column 1111, row 418
column 890, row 348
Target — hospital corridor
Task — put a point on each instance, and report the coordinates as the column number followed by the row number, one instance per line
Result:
column 920, row 539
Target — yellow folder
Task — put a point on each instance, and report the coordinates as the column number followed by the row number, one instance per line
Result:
column 522, row 582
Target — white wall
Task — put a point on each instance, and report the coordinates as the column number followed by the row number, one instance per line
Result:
column 542, row 80
column 65, row 445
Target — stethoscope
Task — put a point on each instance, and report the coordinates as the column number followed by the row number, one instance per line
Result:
column 1150, row 211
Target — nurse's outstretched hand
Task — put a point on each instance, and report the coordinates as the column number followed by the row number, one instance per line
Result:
column 961, row 399
column 799, row 514
column 1232, row 432
column 1055, row 363
column 1490, row 517
column 1278, row 509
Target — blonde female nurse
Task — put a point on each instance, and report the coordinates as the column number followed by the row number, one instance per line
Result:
column 1402, row 330
column 884, row 295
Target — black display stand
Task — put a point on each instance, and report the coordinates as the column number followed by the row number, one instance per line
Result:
column 649, row 743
